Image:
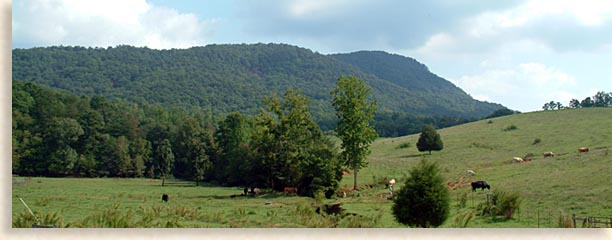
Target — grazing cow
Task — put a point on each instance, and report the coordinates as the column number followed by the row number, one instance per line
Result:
column 480, row 184
column 471, row 172
column 583, row 149
column 549, row 154
column 290, row 190
column 517, row 160
column 255, row 191
column 165, row 197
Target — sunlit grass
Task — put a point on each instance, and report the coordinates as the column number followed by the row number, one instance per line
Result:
column 569, row 183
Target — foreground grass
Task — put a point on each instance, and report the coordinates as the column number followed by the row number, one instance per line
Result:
column 569, row 183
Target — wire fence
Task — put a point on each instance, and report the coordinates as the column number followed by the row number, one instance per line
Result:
column 547, row 218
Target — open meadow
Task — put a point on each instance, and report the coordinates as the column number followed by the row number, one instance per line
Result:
column 568, row 183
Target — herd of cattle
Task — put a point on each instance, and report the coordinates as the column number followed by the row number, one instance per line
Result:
column 482, row 184
column 452, row 186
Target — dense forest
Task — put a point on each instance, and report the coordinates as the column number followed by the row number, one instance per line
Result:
column 220, row 79
column 60, row 134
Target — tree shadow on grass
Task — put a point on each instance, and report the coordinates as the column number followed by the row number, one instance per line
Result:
column 271, row 195
column 413, row 155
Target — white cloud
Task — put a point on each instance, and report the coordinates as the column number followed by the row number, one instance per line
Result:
column 106, row 23
column 524, row 87
column 436, row 44
column 588, row 13
column 300, row 8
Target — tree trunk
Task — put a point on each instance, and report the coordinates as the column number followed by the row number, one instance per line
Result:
column 355, row 178
column 163, row 180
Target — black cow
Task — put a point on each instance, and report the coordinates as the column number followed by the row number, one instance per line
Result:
column 480, row 184
column 165, row 197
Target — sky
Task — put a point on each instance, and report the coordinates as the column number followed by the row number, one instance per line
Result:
column 521, row 54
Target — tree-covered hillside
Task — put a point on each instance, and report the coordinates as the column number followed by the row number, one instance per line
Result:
column 420, row 83
column 219, row 79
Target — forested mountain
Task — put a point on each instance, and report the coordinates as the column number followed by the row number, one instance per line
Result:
column 219, row 79
column 444, row 98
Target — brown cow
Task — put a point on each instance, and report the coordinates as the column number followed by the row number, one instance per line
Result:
column 290, row 190
column 583, row 149
column 549, row 154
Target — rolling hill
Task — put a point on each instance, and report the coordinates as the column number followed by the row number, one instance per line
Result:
column 569, row 183
column 224, row 78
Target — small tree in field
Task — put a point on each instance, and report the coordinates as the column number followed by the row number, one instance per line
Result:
column 354, row 112
column 429, row 140
column 424, row 200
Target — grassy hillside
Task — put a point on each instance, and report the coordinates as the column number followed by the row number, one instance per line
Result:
column 569, row 183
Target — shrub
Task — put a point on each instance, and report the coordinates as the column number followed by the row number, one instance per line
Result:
column 403, row 145
column 501, row 203
column 424, row 200
column 378, row 181
column 536, row 141
column 510, row 128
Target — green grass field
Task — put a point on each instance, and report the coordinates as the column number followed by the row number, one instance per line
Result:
column 569, row 183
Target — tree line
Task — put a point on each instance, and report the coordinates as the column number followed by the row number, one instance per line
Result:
column 600, row 99
column 59, row 134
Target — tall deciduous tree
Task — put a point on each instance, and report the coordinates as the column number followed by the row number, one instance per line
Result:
column 424, row 200
column 232, row 138
column 354, row 112
column 165, row 159
column 429, row 140
column 289, row 148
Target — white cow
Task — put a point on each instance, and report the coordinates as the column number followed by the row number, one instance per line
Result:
column 470, row 172
column 517, row 160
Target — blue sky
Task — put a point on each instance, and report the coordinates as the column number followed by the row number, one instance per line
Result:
column 517, row 53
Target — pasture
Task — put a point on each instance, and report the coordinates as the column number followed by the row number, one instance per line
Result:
column 568, row 183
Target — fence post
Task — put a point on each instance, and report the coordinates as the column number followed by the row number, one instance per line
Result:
column 574, row 218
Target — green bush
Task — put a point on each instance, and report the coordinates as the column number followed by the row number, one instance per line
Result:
column 403, row 145
column 536, row 141
column 424, row 200
column 501, row 203
column 510, row 128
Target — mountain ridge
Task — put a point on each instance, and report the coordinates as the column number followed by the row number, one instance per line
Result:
column 222, row 78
